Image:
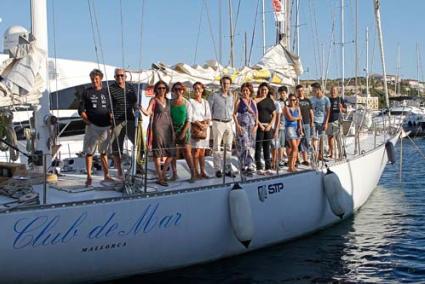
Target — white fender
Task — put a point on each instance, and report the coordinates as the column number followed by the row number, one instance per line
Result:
column 241, row 215
column 333, row 188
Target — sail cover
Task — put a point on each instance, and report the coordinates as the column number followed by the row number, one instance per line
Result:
column 277, row 67
column 20, row 81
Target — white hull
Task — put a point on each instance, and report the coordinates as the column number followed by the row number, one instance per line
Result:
column 124, row 236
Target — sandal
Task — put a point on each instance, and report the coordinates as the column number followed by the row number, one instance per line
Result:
column 204, row 176
column 162, row 182
column 88, row 182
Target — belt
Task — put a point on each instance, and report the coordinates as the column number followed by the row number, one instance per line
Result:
column 222, row 120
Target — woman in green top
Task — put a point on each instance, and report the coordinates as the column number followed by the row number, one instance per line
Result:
column 180, row 115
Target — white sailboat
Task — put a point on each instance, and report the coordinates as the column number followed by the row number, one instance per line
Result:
column 66, row 233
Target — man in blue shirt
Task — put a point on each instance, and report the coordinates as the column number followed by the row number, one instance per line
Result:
column 221, row 105
column 321, row 108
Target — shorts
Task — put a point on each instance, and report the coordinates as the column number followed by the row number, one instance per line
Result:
column 282, row 136
column 333, row 128
column 291, row 133
column 96, row 137
column 277, row 142
column 118, row 135
column 318, row 130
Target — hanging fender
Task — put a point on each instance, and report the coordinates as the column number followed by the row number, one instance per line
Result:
column 333, row 187
column 389, row 147
column 241, row 215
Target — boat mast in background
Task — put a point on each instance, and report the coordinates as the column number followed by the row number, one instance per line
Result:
column 297, row 26
column 367, row 63
column 263, row 23
column 377, row 4
column 398, row 81
column 42, row 113
column 342, row 51
column 417, row 66
column 356, row 64
column 231, row 33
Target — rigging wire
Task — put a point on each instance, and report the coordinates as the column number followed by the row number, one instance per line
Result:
column 253, row 32
column 55, row 67
column 237, row 16
column 331, row 41
column 199, row 32
column 103, row 63
column 122, row 35
column 315, row 53
column 123, row 66
column 211, row 30
column 93, row 34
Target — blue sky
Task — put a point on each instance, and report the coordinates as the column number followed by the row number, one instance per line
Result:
column 171, row 28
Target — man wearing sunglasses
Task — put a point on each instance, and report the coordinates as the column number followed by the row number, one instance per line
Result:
column 124, row 100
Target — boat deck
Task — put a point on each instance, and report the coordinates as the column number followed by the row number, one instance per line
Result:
column 70, row 186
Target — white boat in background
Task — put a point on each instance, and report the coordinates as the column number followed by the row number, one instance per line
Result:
column 60, row 231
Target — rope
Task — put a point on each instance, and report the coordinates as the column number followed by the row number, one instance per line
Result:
column 417, row 148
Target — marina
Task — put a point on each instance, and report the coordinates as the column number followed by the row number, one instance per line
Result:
column 117, row 172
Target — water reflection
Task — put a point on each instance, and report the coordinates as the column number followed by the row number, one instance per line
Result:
column 384, row 242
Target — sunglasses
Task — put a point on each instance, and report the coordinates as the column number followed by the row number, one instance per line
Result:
column 119, row 75
column 178, row 89
column 161, row 88
column 294, row 100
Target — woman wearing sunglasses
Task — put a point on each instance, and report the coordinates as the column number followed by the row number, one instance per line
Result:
column 181, row 111
column 161, row 132
column 294, row 130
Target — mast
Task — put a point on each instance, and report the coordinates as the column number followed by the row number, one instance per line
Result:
column 417, row 66
column 377, row 4
column 39, row 31
column 263, row 23
column 231, row 32
column 397, row 83
column 342, row 51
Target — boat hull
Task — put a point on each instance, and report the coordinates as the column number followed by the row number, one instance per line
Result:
column 113, row 238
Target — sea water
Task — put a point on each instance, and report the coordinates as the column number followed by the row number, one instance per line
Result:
column 383, row 243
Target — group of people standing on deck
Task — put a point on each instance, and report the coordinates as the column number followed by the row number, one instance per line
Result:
column 263, row 125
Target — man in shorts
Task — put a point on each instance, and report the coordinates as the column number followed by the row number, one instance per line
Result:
column 321, row 108
column 337, row 107
column 95, row 110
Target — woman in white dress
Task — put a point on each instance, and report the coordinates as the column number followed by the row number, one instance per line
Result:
column 201, row 115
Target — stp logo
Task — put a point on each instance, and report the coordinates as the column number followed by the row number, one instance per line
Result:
column 265, row 190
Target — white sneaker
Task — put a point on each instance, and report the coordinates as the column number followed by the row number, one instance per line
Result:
column 270, row 172
column 260, row 172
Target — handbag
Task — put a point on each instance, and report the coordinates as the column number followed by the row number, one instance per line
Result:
column 199, row 132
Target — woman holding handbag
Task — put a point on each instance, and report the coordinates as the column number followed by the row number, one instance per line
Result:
column 200, row 136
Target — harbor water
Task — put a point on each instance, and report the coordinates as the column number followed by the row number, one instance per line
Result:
column 383, row 243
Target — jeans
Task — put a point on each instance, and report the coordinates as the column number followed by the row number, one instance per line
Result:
column 263, row 141
column 306, row 139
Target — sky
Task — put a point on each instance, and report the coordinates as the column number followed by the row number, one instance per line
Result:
column 175, row 31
